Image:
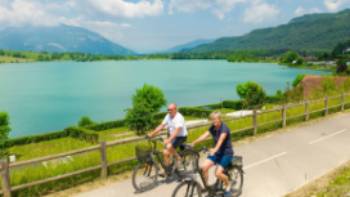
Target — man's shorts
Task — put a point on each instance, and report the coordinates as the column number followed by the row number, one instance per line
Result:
column 223, row 161
column 178, row 141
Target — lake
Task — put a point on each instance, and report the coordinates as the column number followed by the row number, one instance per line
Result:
column 49, row 96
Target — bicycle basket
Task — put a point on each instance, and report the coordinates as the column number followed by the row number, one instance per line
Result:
column 143, row 153
column 237, row 161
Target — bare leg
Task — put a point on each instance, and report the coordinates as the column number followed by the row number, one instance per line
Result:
column 166, row 155
column 221, row 176
column 205, row 169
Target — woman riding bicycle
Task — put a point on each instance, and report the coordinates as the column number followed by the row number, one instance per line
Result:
column 222, row 152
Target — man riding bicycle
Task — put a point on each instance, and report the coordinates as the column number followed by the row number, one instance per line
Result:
column 222, row 153
column 177, row 134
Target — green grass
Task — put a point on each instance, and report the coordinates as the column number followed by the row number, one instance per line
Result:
column 125, row 151
column 339, row 186
column 30, row 151
column 115, row 134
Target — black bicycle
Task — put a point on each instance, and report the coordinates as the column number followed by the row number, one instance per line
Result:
column 190, row 187
column 150, row 160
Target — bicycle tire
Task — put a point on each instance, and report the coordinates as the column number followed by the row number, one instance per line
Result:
column 145, row 170
column 192, row 189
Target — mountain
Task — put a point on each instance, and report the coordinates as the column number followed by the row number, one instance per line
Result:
column 310, row 33
column 61, row 38
column 189, row 45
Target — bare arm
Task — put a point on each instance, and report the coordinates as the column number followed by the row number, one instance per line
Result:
column 157, row 130
column 219, row 143
column 202, row 138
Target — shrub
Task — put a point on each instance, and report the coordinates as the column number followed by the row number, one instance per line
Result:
column 159, row 116
column 298, row 79
column 194, row 111
column 342, row 66
column 4, row 132
column 106, row 125
column 83, row 134
column 233, row 104
column 147, row 102
column 36, row 138
column 85, row 121
column 252, row 93
column 140, row 118
column 149, row 96
column 291, row 58
column 212, row 106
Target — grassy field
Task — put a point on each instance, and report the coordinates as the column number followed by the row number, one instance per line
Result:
column 266, row 121
column 333, row 184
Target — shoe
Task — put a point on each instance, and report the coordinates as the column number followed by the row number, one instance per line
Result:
column 227, row 194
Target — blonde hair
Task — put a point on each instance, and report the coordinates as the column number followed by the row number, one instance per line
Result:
column 215, row 114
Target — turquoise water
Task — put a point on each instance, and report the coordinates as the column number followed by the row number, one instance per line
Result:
column 48, row 96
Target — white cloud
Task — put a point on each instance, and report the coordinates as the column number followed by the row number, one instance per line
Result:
column 38, row 13
column 217, row 7
column 110, row 30
column 260, row 11
column 21, row 12
column 302, row 11
column 335, row 5
column 122, row 8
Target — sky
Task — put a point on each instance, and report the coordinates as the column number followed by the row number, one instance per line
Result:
column 156, row 25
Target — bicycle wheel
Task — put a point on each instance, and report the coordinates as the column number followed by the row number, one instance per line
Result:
column 236, row 176
column 188, row 189
column 145, row 177
column 189, row 162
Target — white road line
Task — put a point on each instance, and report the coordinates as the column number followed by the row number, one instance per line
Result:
column 265, row 160
column 327, row 136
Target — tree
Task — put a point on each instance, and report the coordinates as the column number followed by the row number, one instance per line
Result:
column 85, row 121
column 140, row 118
column 146, row 102
column 342, row 66
column 298, row 79
column 252, row 94
column 4, row 132
column 291, row 58
column 341, row 49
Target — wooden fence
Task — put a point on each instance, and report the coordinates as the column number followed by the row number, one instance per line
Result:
column 6, row 167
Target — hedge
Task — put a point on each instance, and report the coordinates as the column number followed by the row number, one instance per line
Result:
column 212, row 106
column 83, row 134
column 160, row 115
column 35, row 138
column 194, row 111
column 107, row 125
column 273, row 99
column 233, row 104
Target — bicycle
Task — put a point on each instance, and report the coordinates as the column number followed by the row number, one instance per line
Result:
column 146, row 172
column 190, row 187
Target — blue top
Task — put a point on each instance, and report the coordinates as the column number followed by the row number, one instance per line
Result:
column 226, row 147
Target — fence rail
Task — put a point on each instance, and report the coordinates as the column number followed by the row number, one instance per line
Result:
column 6, row 167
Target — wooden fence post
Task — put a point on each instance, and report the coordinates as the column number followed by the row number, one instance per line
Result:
column 104, row 164
column 326, row 105
column 5, row 176
column 255, row 121
column 284, row 115
column 342, row 101
column 306, row 110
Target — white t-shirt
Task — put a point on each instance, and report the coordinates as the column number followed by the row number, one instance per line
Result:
column 177, row 122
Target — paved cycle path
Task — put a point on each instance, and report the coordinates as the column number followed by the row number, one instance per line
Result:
column 276, row 164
